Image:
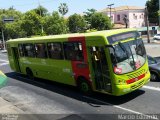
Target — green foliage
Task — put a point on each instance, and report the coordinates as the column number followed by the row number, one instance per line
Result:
column 153, row 7
column 100, row 21
column 41, row 11
column 76, row 23
column 31, row 23
column 63, row 8
column 55, row 24
column 39, row 22
column 6, row 14
column 13, row 30
column 88, row 14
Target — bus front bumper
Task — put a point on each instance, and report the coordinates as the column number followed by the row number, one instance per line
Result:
column 125, row 89
column 3, row 80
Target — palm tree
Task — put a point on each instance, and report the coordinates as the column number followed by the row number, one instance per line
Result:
column 63, row 8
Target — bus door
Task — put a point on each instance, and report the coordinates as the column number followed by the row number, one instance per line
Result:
column 16, row 58
column 100, row 69
column 80, row 59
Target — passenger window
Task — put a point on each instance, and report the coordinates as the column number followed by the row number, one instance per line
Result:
column 20, row 48
column 73, row 51
column 40, row 50
column 55, row 50
column 28, row 50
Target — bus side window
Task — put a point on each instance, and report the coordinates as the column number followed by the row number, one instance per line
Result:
column 28, row 50
column 21, row 50
column 55, row 50
column 40, row 50
column 73, row 51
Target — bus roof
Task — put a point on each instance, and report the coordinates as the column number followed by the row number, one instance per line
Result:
column 97, row 33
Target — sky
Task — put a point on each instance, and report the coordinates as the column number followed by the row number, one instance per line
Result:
column 75, row 6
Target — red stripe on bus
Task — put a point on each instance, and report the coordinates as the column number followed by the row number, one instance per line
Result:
column 135, row 79
column 83, row 71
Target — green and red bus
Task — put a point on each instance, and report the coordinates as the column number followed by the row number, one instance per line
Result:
column 112, row 62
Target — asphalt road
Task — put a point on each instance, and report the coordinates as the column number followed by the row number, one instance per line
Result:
column 40, row 99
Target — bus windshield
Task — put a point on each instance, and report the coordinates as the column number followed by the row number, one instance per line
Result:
column 127, row 57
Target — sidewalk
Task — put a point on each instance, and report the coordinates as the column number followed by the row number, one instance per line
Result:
column 7, row 108
column 9, row 111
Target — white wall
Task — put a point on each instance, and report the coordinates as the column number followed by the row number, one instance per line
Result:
column 133, row 23
column 139, row 22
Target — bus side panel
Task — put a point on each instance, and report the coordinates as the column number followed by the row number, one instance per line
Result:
column 55, row 70
column 60, row 71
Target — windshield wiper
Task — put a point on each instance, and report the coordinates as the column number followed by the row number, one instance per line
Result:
column 123, row 48
column 133, row 64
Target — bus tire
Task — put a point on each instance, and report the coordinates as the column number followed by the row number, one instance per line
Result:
column 29, row 73
column 84, row 86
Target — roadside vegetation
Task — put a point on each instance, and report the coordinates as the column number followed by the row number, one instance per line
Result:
column 39, row 21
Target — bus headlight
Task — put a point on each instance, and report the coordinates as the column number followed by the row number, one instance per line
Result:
column 121, row 81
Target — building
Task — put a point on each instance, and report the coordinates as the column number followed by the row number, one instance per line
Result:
column 135, row 16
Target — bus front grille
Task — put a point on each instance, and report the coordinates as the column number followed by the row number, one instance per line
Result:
column 133, row 87
column 134, row 75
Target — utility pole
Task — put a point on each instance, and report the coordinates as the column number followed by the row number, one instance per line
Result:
column 147, row 23
column 5, row 20
column 110, row 7
column 4, row 45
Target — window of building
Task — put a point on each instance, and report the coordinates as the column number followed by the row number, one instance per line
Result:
column 20, row 48
column 28, row 50
column 142, row 16
column 118, row 18
column 40, row 50
column 55, row 50
column 135, row 16
column 73, row 51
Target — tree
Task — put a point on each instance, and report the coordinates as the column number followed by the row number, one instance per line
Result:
column 100, row 21
column 76, row 23
column 13, row 30
column 41, row 11
column 63, row 8
column 88, row 16
column 9, row 14
column 153, row 7
column 55, row 24
column 31, row 23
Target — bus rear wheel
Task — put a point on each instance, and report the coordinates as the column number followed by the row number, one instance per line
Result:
column 84, row 86
column 30, row 73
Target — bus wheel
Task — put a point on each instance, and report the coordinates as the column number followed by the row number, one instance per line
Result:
column 30, row 73
column 84, row 86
